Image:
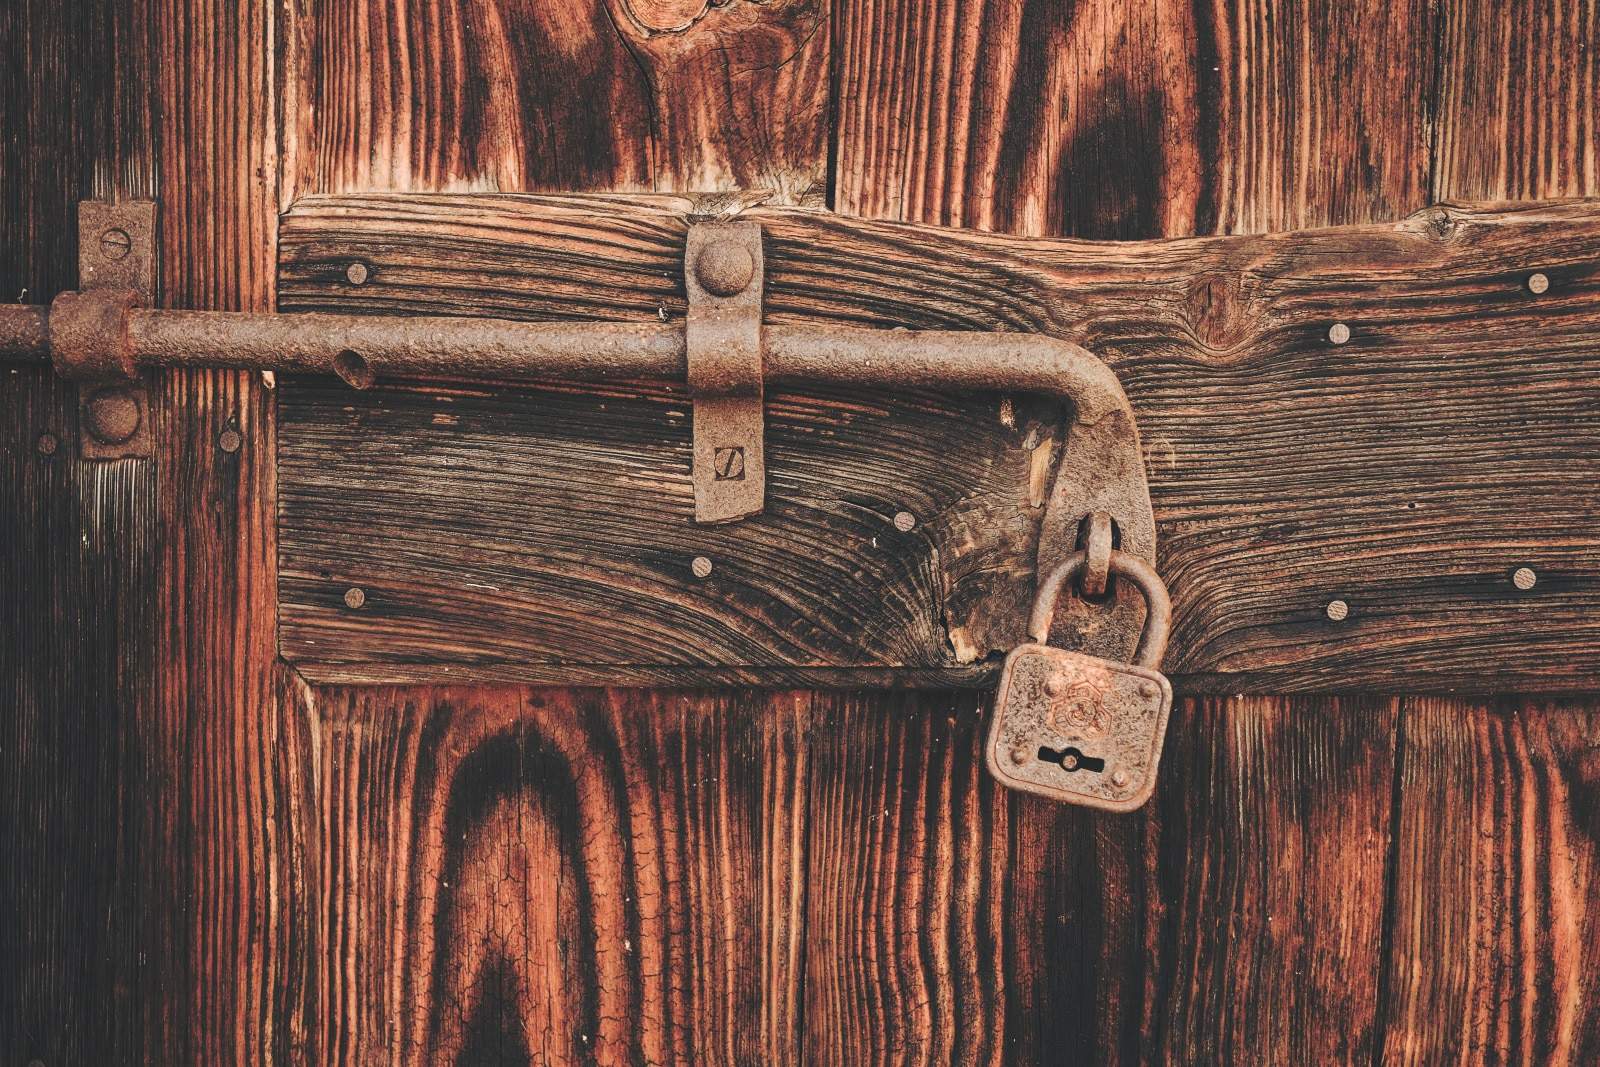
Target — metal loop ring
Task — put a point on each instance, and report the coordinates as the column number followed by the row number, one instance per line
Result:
column 1158, row 617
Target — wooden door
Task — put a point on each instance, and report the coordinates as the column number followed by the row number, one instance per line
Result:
column 1375, row 843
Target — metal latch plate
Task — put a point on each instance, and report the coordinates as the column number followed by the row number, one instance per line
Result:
column 1078, row 728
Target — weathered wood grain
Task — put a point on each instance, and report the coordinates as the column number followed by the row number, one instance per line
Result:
column 1495, row 941
column 1125, row 120
column 593, row 95
column 1238, row 919
column 1408, row 472
column 77, row 568
column 561, row 876
column 77, row 574
column 1518, row 108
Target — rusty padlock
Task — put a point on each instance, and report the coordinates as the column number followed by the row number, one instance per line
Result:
column 1076, row 727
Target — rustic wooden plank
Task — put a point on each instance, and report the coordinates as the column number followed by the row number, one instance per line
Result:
column 954, row 922
column 675, row 96
column 1518, row 101
column 77, row 551
column 561, row 876
column 1407, row 472
column 77, row 573
column 906, row 927
column 1123, row 120
column 1495, row 945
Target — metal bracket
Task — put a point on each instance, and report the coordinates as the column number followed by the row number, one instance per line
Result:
column 723, row 276
column 116, row 255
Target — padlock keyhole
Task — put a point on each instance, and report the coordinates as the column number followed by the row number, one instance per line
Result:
column 1071, row 759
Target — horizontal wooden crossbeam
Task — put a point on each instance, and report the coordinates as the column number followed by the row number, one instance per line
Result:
column 1356, row 439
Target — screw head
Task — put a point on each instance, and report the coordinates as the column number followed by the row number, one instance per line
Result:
column 724, row 268
column 229, row 440
column 115, row 244
column 113, row 415
column 1524, row 578
column 47, row 444
column 701, row 566
column 904, row 521
column 1338, row 610
column 1538, row 283
column 1338, row 333
column 357, row 273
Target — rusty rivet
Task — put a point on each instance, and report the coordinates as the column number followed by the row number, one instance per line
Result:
column 354, row 597
column 229, row 440
column 113, row 415
column 1338, row 333
column 357, row 273
column 1538, row 283
column 1524, row 578
column 701, row 566
column 47, row 444
column 904, row 521
column 1148, row 688
column 1020, row 755
column 1119, row 777
column 724, row 268
column 1055, row 685
column 115, row 244
column 1338, row 610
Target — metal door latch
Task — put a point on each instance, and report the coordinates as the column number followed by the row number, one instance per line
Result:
column 106, row 335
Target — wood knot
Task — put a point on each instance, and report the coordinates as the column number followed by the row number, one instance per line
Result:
column 1218, row 314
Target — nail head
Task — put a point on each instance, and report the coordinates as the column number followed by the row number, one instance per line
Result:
column 1338, row 333
column 1538, row 283
column 1524, row 578
column 47, row 444
column 904, row 521
column 701, row 566
column 355, row 597
column 229, row 440
column 357, row 273
column 1338, row 610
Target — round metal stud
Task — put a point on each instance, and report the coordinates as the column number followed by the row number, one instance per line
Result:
column 701, row 566
column 904, row 521
column 1524, row 578
column 1338, row 610
column 357, row 273
column 47, row 444
column 724, row 268
column 1338, row 333
column 113, row 415
column 355, row 597
column 229, row 440
column 1538, row 283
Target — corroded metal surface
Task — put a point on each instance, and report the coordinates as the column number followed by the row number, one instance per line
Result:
column 723, row 277
column 88, row 330
column 1076, row 727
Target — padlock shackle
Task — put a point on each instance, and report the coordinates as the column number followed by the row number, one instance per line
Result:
column 1158, row 614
